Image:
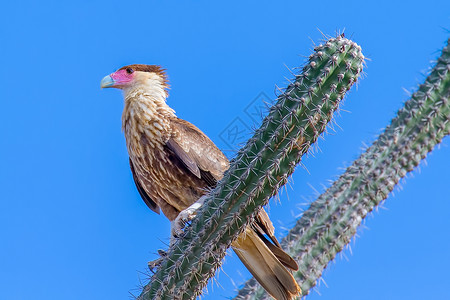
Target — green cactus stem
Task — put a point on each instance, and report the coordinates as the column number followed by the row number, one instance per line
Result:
column 261, row 167
column 332, row 220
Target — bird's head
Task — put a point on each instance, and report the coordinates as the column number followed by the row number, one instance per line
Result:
column 136, row 76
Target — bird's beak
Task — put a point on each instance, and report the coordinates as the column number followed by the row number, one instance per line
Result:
column 107, row 82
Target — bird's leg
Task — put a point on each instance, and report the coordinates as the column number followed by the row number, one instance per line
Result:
column 176, row 230
column 184, row 217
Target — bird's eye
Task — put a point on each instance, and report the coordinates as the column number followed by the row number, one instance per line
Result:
column 130, row 70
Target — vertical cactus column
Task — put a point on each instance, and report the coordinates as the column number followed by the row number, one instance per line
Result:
column 332, row 220
column 261, row 167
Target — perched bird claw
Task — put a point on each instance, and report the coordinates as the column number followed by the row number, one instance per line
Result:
column 184, row 217
column 152, row 265
column 162, row 253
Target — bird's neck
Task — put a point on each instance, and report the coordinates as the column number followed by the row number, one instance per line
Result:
column 146, row 117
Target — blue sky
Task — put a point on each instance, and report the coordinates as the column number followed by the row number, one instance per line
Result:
column 72, row 225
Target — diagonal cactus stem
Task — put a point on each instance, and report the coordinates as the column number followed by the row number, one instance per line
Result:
column 332, row 220
column 295, row 122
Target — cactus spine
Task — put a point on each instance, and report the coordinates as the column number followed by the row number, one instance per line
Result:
column 332, row 220
column 261, row 167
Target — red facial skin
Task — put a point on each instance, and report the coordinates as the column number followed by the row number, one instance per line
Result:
column 122, row 78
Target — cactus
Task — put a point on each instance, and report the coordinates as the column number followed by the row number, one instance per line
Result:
column 331, row 221
column 260, row 168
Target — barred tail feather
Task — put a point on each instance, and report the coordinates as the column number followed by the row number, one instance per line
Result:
column 265, row 267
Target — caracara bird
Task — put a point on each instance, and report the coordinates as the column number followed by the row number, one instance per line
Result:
column 174, row 164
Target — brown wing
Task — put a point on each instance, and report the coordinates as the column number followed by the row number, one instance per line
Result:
column 203, row 159
column 197, row 152
column 150, row 203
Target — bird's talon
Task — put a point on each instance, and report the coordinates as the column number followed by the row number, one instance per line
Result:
column 157, row 262
column 154, row 264
column 184, row 218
